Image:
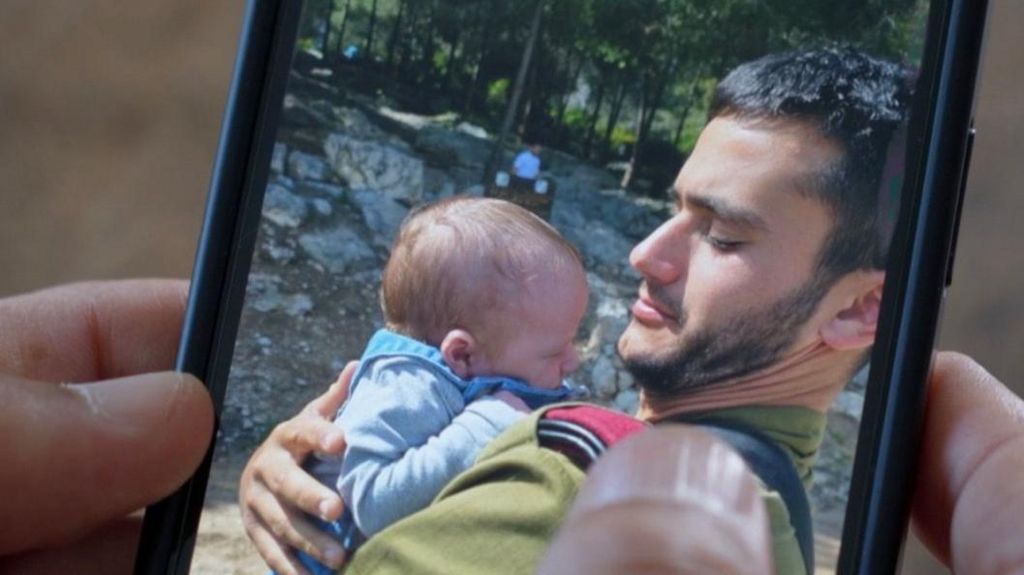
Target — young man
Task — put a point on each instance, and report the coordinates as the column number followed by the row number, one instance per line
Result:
column 759, row 300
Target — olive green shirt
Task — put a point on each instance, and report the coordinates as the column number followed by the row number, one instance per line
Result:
column 500, row 515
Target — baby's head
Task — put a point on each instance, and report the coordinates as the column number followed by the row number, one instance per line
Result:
column 495, row 287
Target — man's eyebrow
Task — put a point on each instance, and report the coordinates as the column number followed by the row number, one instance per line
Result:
column 724, row 211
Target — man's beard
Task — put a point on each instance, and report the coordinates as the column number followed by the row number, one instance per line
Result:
column 747, row 343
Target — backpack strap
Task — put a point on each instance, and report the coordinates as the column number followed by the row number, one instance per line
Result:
column 776, row 469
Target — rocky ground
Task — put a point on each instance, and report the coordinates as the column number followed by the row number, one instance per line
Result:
column 345, row 171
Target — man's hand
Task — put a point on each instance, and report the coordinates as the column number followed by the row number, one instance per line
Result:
column 78, row 456
column 275, row 491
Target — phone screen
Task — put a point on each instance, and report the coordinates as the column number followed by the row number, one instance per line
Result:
column 702, row 197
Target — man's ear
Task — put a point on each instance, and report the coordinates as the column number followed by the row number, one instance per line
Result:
column 462, row 353
column 854, row 326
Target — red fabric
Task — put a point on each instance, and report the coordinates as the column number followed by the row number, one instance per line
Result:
column 609, row 426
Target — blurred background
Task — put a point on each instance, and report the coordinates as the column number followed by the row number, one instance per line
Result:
column 111, row 110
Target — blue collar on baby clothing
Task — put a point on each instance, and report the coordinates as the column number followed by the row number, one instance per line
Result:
column 386, row 343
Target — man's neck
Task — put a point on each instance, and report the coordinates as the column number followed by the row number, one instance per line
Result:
column 811, row 377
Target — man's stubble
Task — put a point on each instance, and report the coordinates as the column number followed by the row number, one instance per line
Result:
column 747, row 343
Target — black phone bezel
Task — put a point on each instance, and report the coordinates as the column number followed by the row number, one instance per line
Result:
column 885, row 464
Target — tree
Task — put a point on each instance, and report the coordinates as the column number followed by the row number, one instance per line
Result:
column 517, row 92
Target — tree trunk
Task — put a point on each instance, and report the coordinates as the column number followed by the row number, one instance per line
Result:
column 341, row 31
column 592, row 129
column 487, row 22
column 659, row 95
column 325, row 40
column 517, row 92
column 613, row 118
column 427, row 62
column 370, row 32
column 531, row 93
column 682, row 123
column 570, row 87
column 393, row 39
column 449, row 68
column 630, row 175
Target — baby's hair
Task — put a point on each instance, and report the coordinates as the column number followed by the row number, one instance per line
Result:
column 459, row 260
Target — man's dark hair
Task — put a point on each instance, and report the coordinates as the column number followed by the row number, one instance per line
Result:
column 854, row 100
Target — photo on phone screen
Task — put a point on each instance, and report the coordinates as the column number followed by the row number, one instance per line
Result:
column 674, row 209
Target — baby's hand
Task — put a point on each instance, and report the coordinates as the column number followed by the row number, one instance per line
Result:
column 513, row 400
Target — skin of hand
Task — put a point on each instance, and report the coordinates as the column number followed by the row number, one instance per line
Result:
column 969, row 498
column 275, row 492
column 89, row 434
column 669, row 500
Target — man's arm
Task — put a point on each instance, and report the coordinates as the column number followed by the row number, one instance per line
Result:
column 407, row 439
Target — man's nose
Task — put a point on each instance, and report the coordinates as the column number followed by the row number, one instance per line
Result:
column 662, row 256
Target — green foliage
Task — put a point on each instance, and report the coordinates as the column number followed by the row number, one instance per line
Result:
column 668, row 54
column 497, row 91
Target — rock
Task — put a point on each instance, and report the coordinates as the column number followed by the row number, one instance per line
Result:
column 603, row 377
column 337, row 250
column 278, row 253
column 626, row 381
column 319, row 189
column 601, row 244
column 850, row 403
column 303, row 167
column 627, row 401
column 381, row 214
column 378, row 166
column 283, row 208
column 277, row 159
column 475, row 190
column 265, row 296
column 443, row 147
column 322, row 206
column 472, row 130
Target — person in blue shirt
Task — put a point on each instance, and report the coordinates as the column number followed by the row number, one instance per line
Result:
column 482, row 301
column 527, row 163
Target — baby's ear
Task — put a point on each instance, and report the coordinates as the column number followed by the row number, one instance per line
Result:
column 461, row 352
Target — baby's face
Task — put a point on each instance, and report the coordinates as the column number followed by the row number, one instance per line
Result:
column 538, row 346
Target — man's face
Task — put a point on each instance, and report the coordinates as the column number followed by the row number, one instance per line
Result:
column 728, row 280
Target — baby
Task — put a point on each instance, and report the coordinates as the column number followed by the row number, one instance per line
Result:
column 482, row 301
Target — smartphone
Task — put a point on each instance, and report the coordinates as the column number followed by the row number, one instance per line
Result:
column 754, row 192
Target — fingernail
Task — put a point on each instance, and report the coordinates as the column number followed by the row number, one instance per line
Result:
column 135, row 401
column 325, row 509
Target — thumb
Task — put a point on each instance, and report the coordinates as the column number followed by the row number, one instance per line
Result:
column 77, row 456
column 668, row 500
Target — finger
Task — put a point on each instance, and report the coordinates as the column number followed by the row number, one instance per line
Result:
column 967, row 500
column 92, row 331
column 280, row 473
column 272, row 551
column 89, row 453
column 289, row 530
column 669, row 500
column 108, row 550
column 305, row 434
